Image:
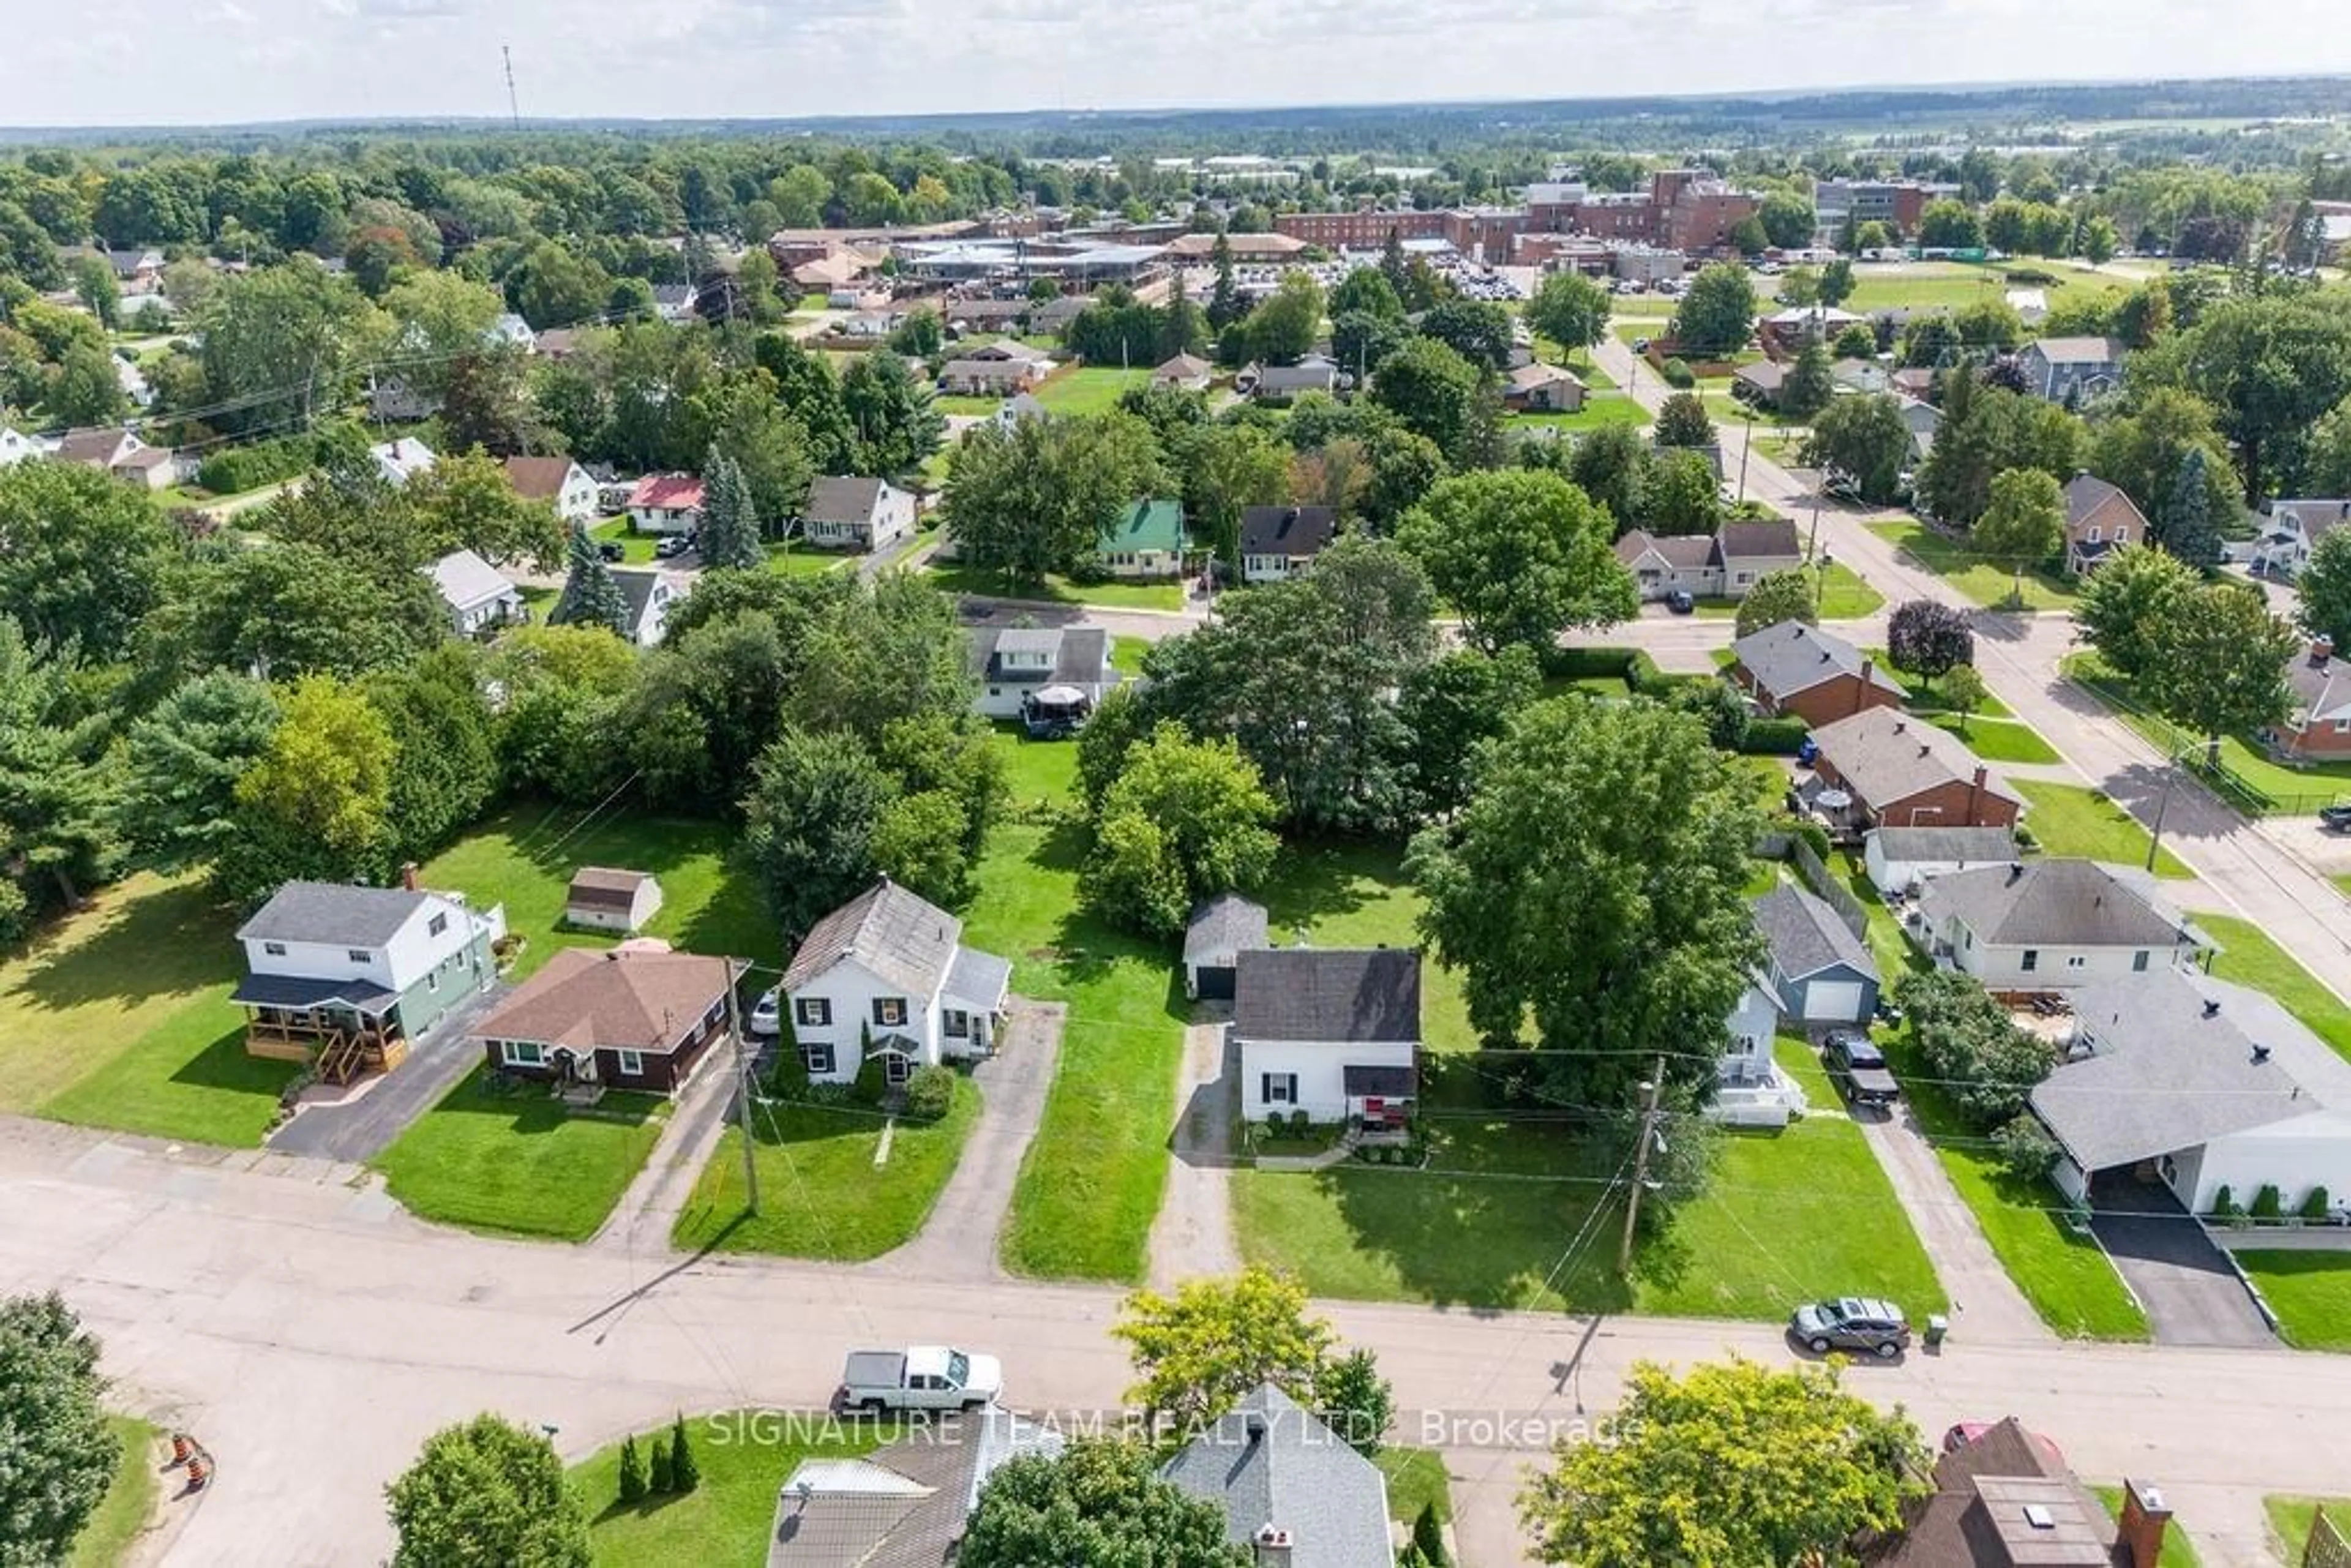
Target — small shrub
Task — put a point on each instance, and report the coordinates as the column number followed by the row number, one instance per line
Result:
column 1585, row 663
column 632, row 1470
column 1273, row 1124
column 1298, row 1122
column 684, row 1474
column 2266, row 1203
column 2224, row 1202
column 2314, row 1204
column 2025, row 1147
column 1774, row 736
column 2024, row 838
column 1428, row 1536
column 930, row 1092
column 1368, row 1152
column 1678, row 373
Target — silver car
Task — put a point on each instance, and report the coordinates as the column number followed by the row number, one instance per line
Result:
column 1852, row 1323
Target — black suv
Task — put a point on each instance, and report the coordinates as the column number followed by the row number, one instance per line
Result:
column 1859, row 1068
column 1851, row 1323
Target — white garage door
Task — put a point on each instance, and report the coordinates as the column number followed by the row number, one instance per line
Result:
column 1833, row 1000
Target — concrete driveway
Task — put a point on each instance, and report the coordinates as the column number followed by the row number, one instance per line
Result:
column 359, row 1128
column 1194, row 1233
column 2183, row 1282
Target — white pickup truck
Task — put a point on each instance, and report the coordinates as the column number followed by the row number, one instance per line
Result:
column 923, row 1377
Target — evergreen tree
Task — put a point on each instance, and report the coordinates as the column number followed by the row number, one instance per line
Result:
column 591, row 597
column 1810, row 385
column 1225, row 306
column 730, row 522
column 1393, row 268
column 684, row 1475
column 662, row 1479
column 632, row 1470
column 1428, row 1536
column 2186, row 530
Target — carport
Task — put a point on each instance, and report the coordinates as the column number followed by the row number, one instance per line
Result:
column 2184, row 1282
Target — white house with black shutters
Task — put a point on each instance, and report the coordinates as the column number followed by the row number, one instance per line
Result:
column 1332, row 1033
column 886, row 977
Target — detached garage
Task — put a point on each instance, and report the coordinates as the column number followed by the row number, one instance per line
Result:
column 1821, row 972
column 1222, row 928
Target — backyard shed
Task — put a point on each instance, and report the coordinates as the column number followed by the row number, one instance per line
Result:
column 603, row 899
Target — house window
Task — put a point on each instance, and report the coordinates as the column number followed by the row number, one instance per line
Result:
column 818, row 1059
column 523, row 1053
column 2343, row 726
column 1278, row 1088
column 812, row 1012
column 632, row 1064
column 897, row 1067
column 890, row 1013
column 432, row 979
column 956, row 1023
column 2031, row 960
column 437, row 924
column 359, row 955
column 275, row 949
column 2076, row 961
column 2122, row 534
column 2093, row 533
column 2138, row 962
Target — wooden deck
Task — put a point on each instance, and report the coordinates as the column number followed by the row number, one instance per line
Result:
column 339, row 1055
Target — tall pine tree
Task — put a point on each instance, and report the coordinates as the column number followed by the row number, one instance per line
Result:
column 590, row 596
column 2186, row 530
column 1225, row 297
column 730, row 520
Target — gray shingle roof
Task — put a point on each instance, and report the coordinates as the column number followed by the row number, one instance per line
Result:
column 1791, row 657
column 2167, row 1075
column 904, row 1505
column 1225, row 924
column 842, row 498
column 1080, row 654
column 1269, row 1462
column 978, row 977
column 2086, row 494
column 1327, row 994
column 1960, row 845
column 333, row 913
column 465, row 580
column 1772, row 541
column 1684, row 550
column 1806, row 936
column 2054, row 904
column 903, row 938
column 1888, row 755
column 2078, row 350
column 1287, row 530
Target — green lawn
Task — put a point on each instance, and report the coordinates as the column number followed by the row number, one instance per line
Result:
column 2069, row 819
column 2250, row 779
column 1950, row 285
column 821, row 1196
column 786, row 560
column 1349, row 893
column 1488, row 1224
column 1927, row 698
column 2000, row 739
column 2310, row 1292
column 2178, row 1551
column 107, row 1539
column 1126, row 655
column 2064, row 1274
column 189, row 1077
column 1090, row 389
column 965, row 402
column 1599, row 409
column 2292, row 1517
column 2251, row 957
column 1058, row 589
column 744, row 1458
column 1090, row 1182
column 518, row 1163
column 1989, row 583
column 1843, row 596
column 636, row 549
column 1417, row 1479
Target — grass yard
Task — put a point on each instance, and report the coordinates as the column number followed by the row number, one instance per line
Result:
column 1090, row 389
column 1927, row 699
column 2178, row 1551
column 1349, row 893
column 2071, row 820
column 189, row 1077
column 804, row 1150
column 1999, row 739
column 109, row 1538
column 1987, row 582
column 1600, row 409
column 1058, row 589
column 2310, row 1292
column 2292, row 1517
column 1126, row 655
column 1091, row 1182
column 1843, row 596
column 1417, row 1479
column 518, row 1163
column 745, row 1457
column 965, row 402
column 636, row 549
column 2251, row 957
column 1488, row 1224
column 785, row 561
column 2250, row 778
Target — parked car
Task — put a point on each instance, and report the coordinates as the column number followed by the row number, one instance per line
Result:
column 1680, row 602
column 768, row 1013
column 672, row 546
column 1640, row 345
column 609, row 550
column 2336, row 818
column 1859, row 1070
column 923, row 1377
column 1852, row 1323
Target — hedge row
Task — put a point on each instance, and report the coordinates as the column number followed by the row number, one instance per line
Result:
column 240, row 468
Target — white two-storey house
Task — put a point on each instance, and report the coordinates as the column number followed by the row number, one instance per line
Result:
column 886, row 977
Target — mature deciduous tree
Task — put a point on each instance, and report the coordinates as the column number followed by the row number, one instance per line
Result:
column 809, row 825
column 1927, row 638
column 1450, row 708
column 2270, row 363
column 487, row 1491
column 317, row 802
column 1433, row 392
column 1790, row 595
column 1718, row 315
column 897, row 425
column 1206, row 814
column 1680, row 493
column 61, row 1454
column 1200, row 1351
column 1100, row 1500
column 1986, row 1064
column 1476, row 329
column 1863, row 439
column 1034, row 498
column 2323, row 590
column 2126, row 602
column 2025, row 522
column 1225, row 469
column 1521, row 555
column 2216, row 664
column 86, row 557
column 1571, row 310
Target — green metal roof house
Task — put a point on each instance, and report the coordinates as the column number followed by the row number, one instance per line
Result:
column 1146, row 540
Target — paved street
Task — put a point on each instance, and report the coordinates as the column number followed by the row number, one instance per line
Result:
column 311, row 1334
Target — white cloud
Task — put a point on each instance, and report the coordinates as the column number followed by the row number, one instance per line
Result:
column 766, row 58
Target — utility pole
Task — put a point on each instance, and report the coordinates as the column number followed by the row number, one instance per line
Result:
column 2162, row 805
column 742, row 1094
column 514, row 104
column 1651, row 1090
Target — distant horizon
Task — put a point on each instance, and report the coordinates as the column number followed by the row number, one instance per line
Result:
column 149, row 66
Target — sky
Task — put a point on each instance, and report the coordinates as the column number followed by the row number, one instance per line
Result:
column 188, row 62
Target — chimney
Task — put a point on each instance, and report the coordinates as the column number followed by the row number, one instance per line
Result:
column 2320, row 650
column 1975, row 797
column 1861, row 692
column 2145, row 1518
column 408, row 875
column 1271, row 1546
